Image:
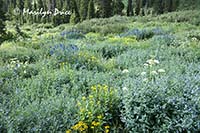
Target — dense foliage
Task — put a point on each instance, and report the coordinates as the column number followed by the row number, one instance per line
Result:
column 74, row 11
column 2, row 22
column 103, row 75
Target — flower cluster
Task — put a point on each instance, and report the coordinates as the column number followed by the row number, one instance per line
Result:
column 80, row 126
column 87, row 59
column 95, row 109
column 19, row 68
column 57, row 49
column 151, row 73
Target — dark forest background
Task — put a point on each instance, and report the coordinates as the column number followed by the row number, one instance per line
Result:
column 85, row 9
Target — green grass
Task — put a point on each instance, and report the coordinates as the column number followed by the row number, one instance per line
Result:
column 93, row 75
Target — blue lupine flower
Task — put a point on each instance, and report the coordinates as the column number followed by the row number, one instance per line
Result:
column 60, row 49
column 72, row 34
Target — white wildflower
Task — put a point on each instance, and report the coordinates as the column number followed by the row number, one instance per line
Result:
column 145, row 80
column 161, row 71
column 124, row 88
column 150, row 62
column 143, row 73
column 156, row 62
column 194, row 39
column 125, row 71
column 154, row 73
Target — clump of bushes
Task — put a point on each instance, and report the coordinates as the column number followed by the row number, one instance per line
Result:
column 167, row 40
column 152, row 108
column 104, row 26
column 73, row 34
column 10, row 50
column 98, row 110
column 154, row 105
column 63, row 52
column 143, row 33
column 190, row 16
column 110, row 51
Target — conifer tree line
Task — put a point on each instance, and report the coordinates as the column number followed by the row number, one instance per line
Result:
column 81, row 10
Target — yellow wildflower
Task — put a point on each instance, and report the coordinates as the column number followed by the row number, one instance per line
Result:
column 99, row 116
column 107, row 127
column 82, row 110
column 107, row 131
column 80, row 126
column 68, row 131
column 94, row 123
column 91, row 96
column 79, row 104
column 99, row 86
column 105, row 88
column 89, row 113
column 93, row 88
column 83, row 98
column 91, row 102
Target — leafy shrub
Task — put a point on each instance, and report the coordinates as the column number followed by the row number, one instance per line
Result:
column 154, row 108
column 86, row 60
column 54, row 114
column 20, row 69
column 94, row 38
column 190, row 16
column 63, row 52
column 111, row 29
column 160, row 104
column 9, row 51
column 194, row 34
column 112, row 50
column 46, row 26
column 122, row 41
column 142, row 34
column 167, row 40
column 72, row 34
column 104, row 26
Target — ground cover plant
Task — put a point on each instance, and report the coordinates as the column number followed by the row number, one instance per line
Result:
column 87, row 78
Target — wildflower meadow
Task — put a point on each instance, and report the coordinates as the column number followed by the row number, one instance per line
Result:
column 142, row 74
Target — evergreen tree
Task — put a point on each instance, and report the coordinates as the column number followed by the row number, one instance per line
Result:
column 139, row 4
column 66, row 6
column 91, row 10
column 84, row 9
column 159, row 6
column 105, row 8
column 40, row 4
column 20, row 6
column 118, row 6
column 130, row 8
column 2, row 22
column 27, row 5
column 75, row 16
